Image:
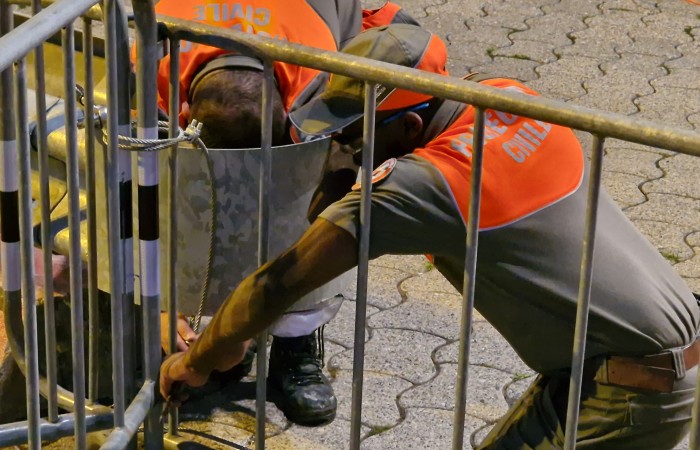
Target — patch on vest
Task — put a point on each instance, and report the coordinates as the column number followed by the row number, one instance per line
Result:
column 379, row 173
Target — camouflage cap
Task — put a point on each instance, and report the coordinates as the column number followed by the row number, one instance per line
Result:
column 342, row 103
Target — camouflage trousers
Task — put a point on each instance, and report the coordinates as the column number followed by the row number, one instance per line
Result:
column 610, row 417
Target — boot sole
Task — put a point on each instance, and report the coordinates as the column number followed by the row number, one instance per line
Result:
column 304, row 420
column 310, row 421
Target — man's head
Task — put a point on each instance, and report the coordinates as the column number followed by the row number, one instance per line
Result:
column 400, row 113
column 227, row 99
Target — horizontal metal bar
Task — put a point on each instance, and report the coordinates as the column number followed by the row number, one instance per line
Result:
column 35, row 31
column 94, row 13
column 605, row 124
column 98, row 47
column 16, row 433
column 133, row 418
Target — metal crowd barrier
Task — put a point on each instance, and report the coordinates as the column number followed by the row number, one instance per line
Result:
column 18, row 241
column 132, row 409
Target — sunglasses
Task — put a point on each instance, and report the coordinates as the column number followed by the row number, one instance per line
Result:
column 347, row 140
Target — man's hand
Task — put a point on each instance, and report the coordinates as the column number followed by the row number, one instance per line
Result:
column 185, row 335
column 174, row 371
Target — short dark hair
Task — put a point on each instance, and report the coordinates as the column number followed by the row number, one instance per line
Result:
column 229, row 104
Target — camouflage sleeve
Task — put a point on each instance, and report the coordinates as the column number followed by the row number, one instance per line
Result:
column 334, row 185
column 413, row 212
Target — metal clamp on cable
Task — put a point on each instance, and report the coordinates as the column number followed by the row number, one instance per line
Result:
column 190, row 134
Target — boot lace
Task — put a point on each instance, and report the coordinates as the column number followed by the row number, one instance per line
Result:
column 308, row 357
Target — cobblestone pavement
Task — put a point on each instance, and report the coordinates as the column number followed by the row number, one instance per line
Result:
column 636, row 57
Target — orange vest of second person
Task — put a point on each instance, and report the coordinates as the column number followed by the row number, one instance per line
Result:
column 288, row 20
column 384, row 15
column 527, row 166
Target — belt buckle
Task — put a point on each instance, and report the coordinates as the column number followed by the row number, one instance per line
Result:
column 679, row 362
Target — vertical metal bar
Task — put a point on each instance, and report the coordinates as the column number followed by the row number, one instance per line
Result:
column 358, row 364
column 9, row 213
column 695, row 424
column 469, row 282
column 46, row 243
column 90, row 184
column 128, row 344
column 27, row 255
column 75, row 254
column 116, row 257
column 149, row 217
column 584, row 294
column 9, row 186
column 263, row 244
column 171, row 252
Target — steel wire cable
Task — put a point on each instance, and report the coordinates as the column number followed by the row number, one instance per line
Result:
column 192, row 135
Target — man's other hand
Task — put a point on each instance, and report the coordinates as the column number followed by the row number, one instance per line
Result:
column 185, row 335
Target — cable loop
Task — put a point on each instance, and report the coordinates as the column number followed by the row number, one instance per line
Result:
column 190, row 134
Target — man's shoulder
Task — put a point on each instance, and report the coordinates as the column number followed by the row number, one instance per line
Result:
column 343, row 17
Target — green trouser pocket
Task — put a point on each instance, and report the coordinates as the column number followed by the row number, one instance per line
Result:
column 610, row 417
column 531, row 424
column 617, row 418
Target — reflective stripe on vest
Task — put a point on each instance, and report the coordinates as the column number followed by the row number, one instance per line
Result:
column 379, row 17
column 528, row 164
column 289, row 20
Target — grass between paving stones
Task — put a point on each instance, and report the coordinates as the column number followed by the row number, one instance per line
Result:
column 379, row 430
column 521, row 376
column 491, row 51
column 670, row 257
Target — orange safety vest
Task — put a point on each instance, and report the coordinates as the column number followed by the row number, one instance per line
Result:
column 288, row 20
column 527, row 164
column 379, row 17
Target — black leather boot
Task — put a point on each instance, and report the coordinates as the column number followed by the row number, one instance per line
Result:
column 306, row 396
